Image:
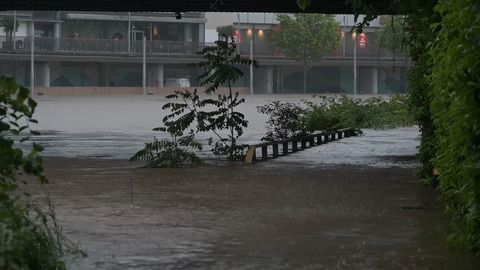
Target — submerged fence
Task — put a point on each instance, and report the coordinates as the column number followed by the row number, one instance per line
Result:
column 274, row 149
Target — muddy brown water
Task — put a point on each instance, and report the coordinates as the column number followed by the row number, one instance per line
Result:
column 351, row 204
column 248, row 217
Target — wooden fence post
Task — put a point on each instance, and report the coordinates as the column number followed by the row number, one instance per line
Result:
column 264, row 152
column 285, row 148
column 294, row 145
column 275, row 150
column 250, row 156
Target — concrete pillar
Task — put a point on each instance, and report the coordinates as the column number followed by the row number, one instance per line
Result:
column 159, row 75
column 264, row 82
column 42, row 74
column 30, row 28
column 269, row 81
column 188, row 32
column 56, row 36
column 278, row 80
column 201, row 33
column 374, row 80
column 367, row 80
column 106, row 74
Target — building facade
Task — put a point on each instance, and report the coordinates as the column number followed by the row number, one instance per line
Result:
column 135, row 53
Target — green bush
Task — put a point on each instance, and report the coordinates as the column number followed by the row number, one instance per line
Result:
column 337, row 113
column 455, row 108
column 165, row 153
column 285, row 120
column 445, row 90
column 288, row 120
column 29, row 237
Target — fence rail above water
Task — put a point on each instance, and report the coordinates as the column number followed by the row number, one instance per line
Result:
column 274, row 149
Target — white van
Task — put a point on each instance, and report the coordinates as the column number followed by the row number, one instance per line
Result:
column 177, row 82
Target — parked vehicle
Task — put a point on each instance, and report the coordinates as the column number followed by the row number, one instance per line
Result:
column 177, row 82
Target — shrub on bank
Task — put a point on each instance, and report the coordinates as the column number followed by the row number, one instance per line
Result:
column 29, row 237
column 288, row 120
column 444, row 82
column 377, row 113
column 455, row 109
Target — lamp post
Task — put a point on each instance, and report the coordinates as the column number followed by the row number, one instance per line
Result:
column 354, row 35
column 238, row 42
column 251, row 35
column 129, row 33
column 14, row 29
column 144, row 65
column 32, row 62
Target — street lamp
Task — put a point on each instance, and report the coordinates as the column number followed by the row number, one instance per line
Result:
column 238, row 34
column 251, row 36
column 354, row 37
column 129, row 33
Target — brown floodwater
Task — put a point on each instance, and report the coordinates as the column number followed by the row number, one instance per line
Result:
column 262, row 216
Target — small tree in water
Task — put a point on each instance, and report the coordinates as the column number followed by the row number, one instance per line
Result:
column 191, row 112
column 178, row 149
column 221, row 69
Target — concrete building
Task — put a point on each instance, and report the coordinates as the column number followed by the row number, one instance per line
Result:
column 379, row 70
column 80, row 53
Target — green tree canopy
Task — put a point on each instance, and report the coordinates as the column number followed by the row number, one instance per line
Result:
column 394, row 35
column 307, row 37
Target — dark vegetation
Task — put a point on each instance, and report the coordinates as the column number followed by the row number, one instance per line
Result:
column 443, row 42
column 288, row 120
column 190, row 112
column 30, row 237
column 285, row 120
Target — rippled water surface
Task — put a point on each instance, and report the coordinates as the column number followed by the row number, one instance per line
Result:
column 116, row 127
column 349, row 204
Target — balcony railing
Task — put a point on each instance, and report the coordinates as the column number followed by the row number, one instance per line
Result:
column 111, row 47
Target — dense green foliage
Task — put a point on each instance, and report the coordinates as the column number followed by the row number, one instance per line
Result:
column 420, row 37
column 445, row 90
column 377, row 113
column 29, row 237
column 393, row 34
column 455, row 109
column 179, row 149
column 165, row 153
column 307, row 37
column 287, row 120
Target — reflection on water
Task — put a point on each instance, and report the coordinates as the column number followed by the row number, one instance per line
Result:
column 117, row 127
column 380, row 148
column 287, row 213
column 249, row 217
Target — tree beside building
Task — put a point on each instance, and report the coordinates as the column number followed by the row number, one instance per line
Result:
column 307, row 37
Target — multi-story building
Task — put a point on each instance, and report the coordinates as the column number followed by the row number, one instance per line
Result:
column 104, row 53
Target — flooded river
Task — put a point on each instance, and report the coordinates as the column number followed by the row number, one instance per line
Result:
column 350, row 204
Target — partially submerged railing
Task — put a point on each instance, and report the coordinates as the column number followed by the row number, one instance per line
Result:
column 274, row 149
